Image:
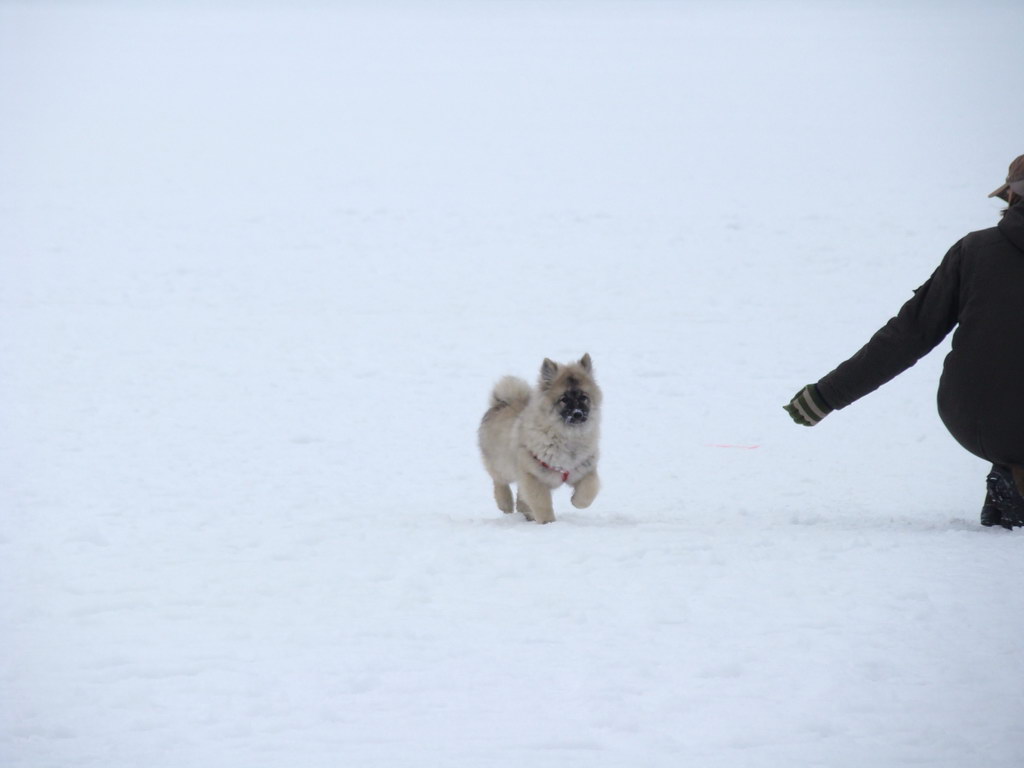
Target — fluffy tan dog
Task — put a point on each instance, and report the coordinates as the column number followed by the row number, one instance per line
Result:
column 541, row 438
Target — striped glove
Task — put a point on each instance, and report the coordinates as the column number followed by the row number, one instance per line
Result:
column 808, row 407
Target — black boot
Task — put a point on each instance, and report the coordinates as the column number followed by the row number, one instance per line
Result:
column 1004, row 497
column 990, row 514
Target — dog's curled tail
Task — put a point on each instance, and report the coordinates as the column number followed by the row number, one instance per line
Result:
column 511, row 392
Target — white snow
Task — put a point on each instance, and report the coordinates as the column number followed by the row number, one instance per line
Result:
column 260, row 265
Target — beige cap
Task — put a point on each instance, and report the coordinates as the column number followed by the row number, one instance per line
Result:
column 1014, row 180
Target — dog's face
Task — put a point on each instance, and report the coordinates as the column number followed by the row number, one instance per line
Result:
column 570, row 391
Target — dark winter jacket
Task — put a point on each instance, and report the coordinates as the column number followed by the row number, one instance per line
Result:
column 979, row 286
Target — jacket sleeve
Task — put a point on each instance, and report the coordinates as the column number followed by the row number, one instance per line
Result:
column 921, row 324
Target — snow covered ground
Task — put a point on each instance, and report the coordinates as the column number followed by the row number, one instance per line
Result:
column 260, row 265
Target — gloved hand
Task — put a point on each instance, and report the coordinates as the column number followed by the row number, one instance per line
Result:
column 808, row 407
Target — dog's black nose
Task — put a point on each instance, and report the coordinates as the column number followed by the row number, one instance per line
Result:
column 575, row 408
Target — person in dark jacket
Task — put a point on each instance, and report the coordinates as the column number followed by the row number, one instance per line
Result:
column 979, row 289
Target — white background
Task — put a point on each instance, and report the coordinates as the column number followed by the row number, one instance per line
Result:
column 260, row 265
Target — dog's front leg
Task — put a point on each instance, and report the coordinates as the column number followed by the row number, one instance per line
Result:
column 586, row 491
column 538, row 497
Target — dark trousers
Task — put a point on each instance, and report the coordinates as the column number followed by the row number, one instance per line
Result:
column 995, row 435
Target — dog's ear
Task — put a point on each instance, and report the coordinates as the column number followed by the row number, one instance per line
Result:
column 548, row 371
column 585, row 362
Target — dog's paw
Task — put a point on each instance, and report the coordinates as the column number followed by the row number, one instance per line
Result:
column 585, row 493
column 503, row 497
column 580, row 501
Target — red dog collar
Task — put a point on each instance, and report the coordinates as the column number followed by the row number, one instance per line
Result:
column 563, row 472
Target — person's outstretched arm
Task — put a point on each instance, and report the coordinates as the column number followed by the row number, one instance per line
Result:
column 915, row 331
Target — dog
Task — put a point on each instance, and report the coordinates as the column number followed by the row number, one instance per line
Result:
column 540, row 438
